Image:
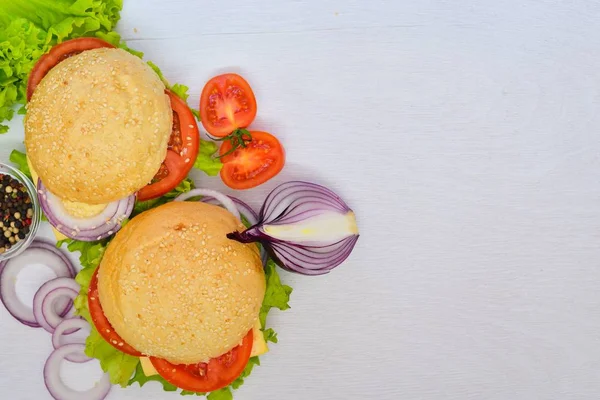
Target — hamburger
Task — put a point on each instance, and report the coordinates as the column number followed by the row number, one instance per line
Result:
column 101, row 132
column 173, row 290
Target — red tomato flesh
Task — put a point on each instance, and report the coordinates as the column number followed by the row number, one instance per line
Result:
column 250, row 166
column 59, row 53
column 207, row 377
column 102, row 324
column 227, row 103
column 181, row 154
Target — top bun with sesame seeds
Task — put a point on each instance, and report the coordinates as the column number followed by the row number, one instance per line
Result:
column 174, row 287
column 97, row 126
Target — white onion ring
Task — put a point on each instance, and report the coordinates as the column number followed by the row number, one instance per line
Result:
column 56, row 386
column 90, row 229
column 225, row 200
column 70, row 325
column 8, row 278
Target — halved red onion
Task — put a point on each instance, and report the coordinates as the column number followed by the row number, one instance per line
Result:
column 57, row 387
column 305, row 227
column 225, row 200
column 37, row 253
column 45, row 298
column 69, row 325
column 90, row 229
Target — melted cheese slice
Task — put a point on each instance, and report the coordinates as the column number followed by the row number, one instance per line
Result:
column 259, row 347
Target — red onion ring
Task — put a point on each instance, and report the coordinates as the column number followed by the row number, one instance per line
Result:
column 36, row 253
column 46, row 245
column 225, row 200
column 243, row 208
column 44, row 299
column 72, row 324
column 56, row 386
column 90, row 229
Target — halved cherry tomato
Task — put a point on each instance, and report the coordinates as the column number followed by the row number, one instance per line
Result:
column 247, row 167
column 181, row 153
column 102, row 324
column 226, row 104
column 207, row 377
column 59, row 53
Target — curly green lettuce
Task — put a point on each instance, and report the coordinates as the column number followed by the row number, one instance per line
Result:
column 29, row 28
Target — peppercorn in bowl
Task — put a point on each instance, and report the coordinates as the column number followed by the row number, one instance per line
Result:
column 19, row 212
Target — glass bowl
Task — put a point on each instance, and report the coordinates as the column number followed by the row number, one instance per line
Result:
column 20, row 246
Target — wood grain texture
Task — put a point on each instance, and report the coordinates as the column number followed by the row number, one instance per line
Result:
column 465, row 136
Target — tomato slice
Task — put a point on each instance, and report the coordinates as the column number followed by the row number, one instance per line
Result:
column 250, row 166
column 207, row 377
column 226, row 104
column 102, row 324
column 59, row 53
column 181, row 154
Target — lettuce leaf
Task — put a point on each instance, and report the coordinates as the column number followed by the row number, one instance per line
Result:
column 277, row 295
column 118, row 365
column 184, row 186
column 28, row 28
column 142, row 379
column 20, row 160
column 205, row 161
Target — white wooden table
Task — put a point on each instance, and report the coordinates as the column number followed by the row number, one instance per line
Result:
column 466, row 136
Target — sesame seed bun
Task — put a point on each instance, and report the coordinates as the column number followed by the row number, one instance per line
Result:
column 97, row 126
column 173, row 286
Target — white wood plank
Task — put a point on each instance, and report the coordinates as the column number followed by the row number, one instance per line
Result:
column 465, row 135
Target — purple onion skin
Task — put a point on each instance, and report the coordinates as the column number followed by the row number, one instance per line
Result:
column 297, row 193
column 243, row 237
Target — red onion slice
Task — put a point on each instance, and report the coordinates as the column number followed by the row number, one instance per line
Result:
column 307, row 228
column 51, row 258
column 225, row 200
column 45, row 298
column 46, row 245
column 90, row 229
column 72, row 324
column 56, row 386
column 243, row 208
